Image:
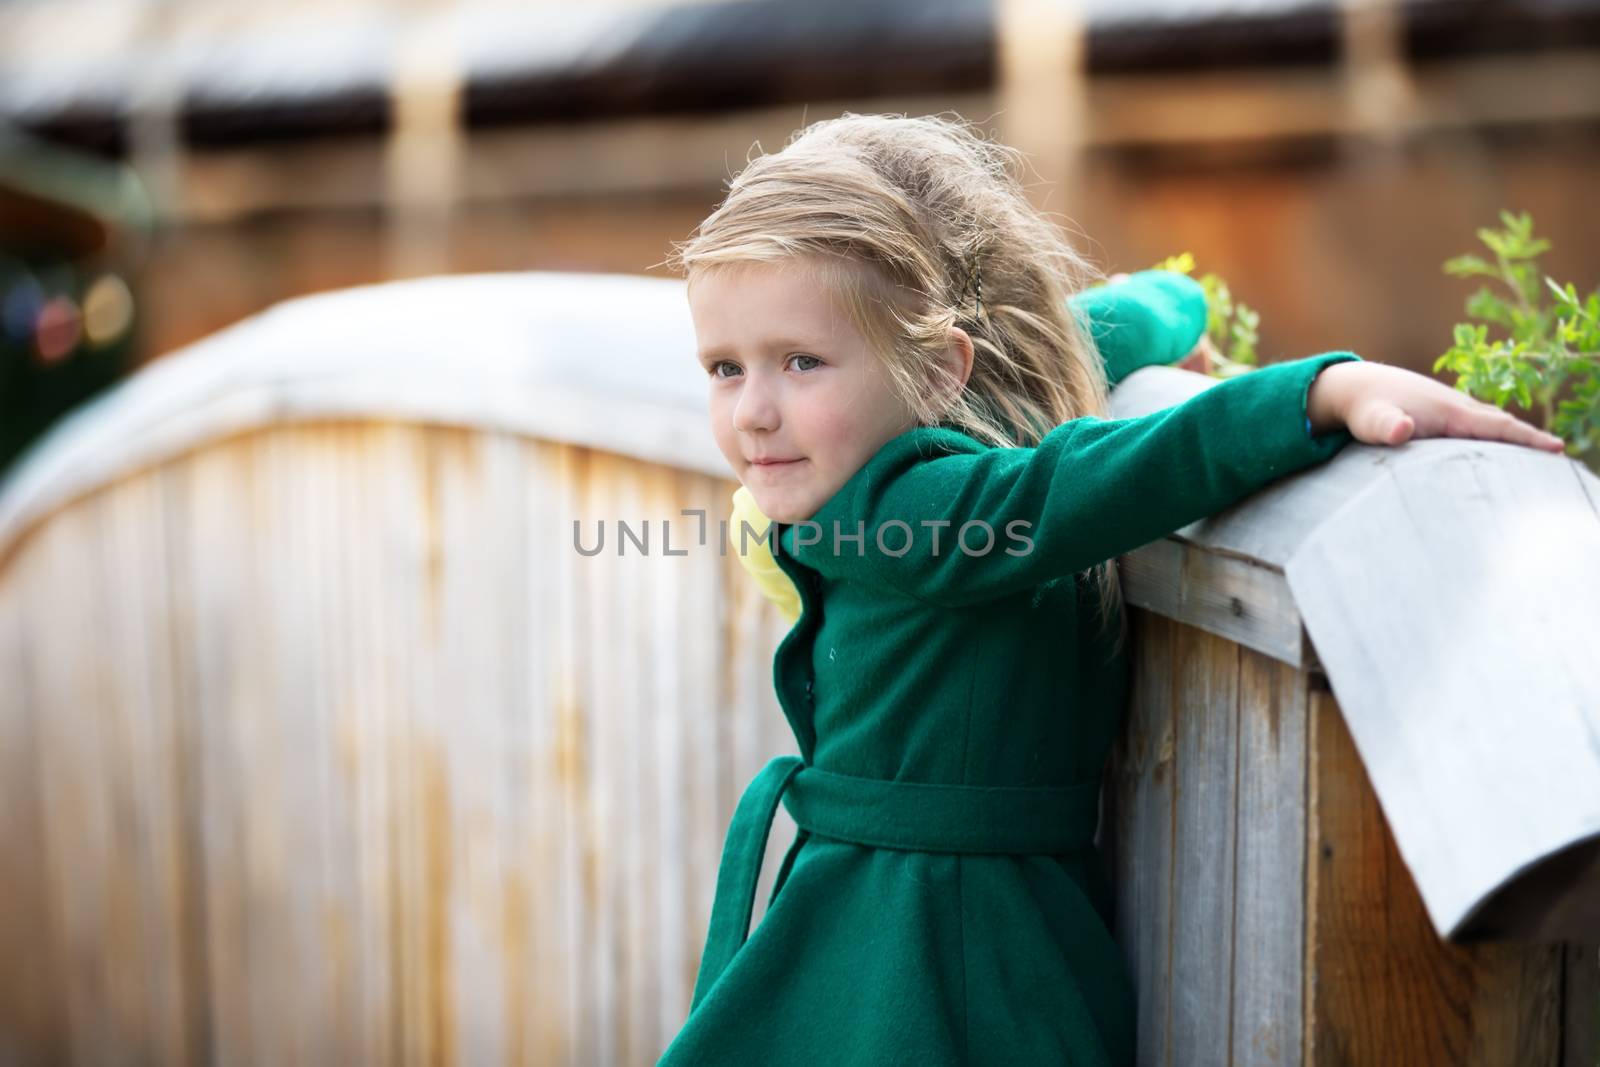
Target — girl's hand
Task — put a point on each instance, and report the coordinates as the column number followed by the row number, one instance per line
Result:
column 1200, row 356
column 1386, row 405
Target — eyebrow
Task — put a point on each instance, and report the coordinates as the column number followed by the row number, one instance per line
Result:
column 727, row 352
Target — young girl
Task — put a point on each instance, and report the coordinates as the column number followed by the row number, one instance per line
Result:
column 904, row 383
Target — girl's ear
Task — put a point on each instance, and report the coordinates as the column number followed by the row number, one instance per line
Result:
column 959, row 355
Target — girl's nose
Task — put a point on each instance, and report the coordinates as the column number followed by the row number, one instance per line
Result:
column 757, row 409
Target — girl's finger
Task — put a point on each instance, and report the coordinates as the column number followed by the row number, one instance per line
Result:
column 1489, row 423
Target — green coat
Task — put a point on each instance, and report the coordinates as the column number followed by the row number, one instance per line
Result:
column 943, row 901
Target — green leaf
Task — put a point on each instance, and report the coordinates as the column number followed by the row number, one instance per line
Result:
column 1518, row 225
column 1484, row 304
column 1469, row 265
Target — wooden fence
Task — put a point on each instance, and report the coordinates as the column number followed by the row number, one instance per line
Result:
column 1269, row 903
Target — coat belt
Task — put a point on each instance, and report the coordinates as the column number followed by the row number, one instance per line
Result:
column 911, row 816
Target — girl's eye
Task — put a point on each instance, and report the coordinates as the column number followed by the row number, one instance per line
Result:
column 712, row 369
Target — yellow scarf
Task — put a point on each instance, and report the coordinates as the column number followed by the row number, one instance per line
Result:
column 773, row 583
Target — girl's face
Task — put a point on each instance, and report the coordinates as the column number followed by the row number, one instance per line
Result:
column 799, row 402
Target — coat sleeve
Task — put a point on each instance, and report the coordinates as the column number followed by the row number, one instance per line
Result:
column 1154, row 317
column 959, row 526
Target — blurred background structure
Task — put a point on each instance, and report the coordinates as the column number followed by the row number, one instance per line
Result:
column 193, row 163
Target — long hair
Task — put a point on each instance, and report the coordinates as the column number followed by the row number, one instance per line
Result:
column 915, row 225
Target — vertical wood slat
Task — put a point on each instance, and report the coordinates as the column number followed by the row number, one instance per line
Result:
column 480, row 731
column 369, row 492
column 665, row 722
column 572, row 741
column 1142, row 833
column 210, row 586
column 626, row 635
column 1380, row 985
column 34, row 1023
column 1269, row 906
column 146, row 777
column 1206, row 771
column 538, row 899
column 597, row 965
column 79, row 856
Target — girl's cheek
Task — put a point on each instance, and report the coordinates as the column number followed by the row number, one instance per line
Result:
column 836, row 424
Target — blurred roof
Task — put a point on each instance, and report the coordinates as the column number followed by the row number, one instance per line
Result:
column 247, row 73
column 63, row 200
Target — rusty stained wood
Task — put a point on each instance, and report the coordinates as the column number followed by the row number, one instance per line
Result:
column 1380, row 985
column 342, row 753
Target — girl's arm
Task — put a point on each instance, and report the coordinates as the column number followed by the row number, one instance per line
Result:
column 1153, row 317
column 1096, row 488
column 1090, row 490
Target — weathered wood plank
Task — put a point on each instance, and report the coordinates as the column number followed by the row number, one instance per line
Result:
column 600, row 1021
column 1204, row 809
column 1224, row 595
column 133, row 634
column 572, row 740
column 34, row 1025
column 1269, row 915
column 89, row 916
column 1141, row 833
column 371, row 492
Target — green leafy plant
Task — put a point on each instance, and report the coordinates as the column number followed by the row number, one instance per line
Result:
column 1232, row 327
column 1550, row 348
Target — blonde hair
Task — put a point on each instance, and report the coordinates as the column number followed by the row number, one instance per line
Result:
column 905, row 220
